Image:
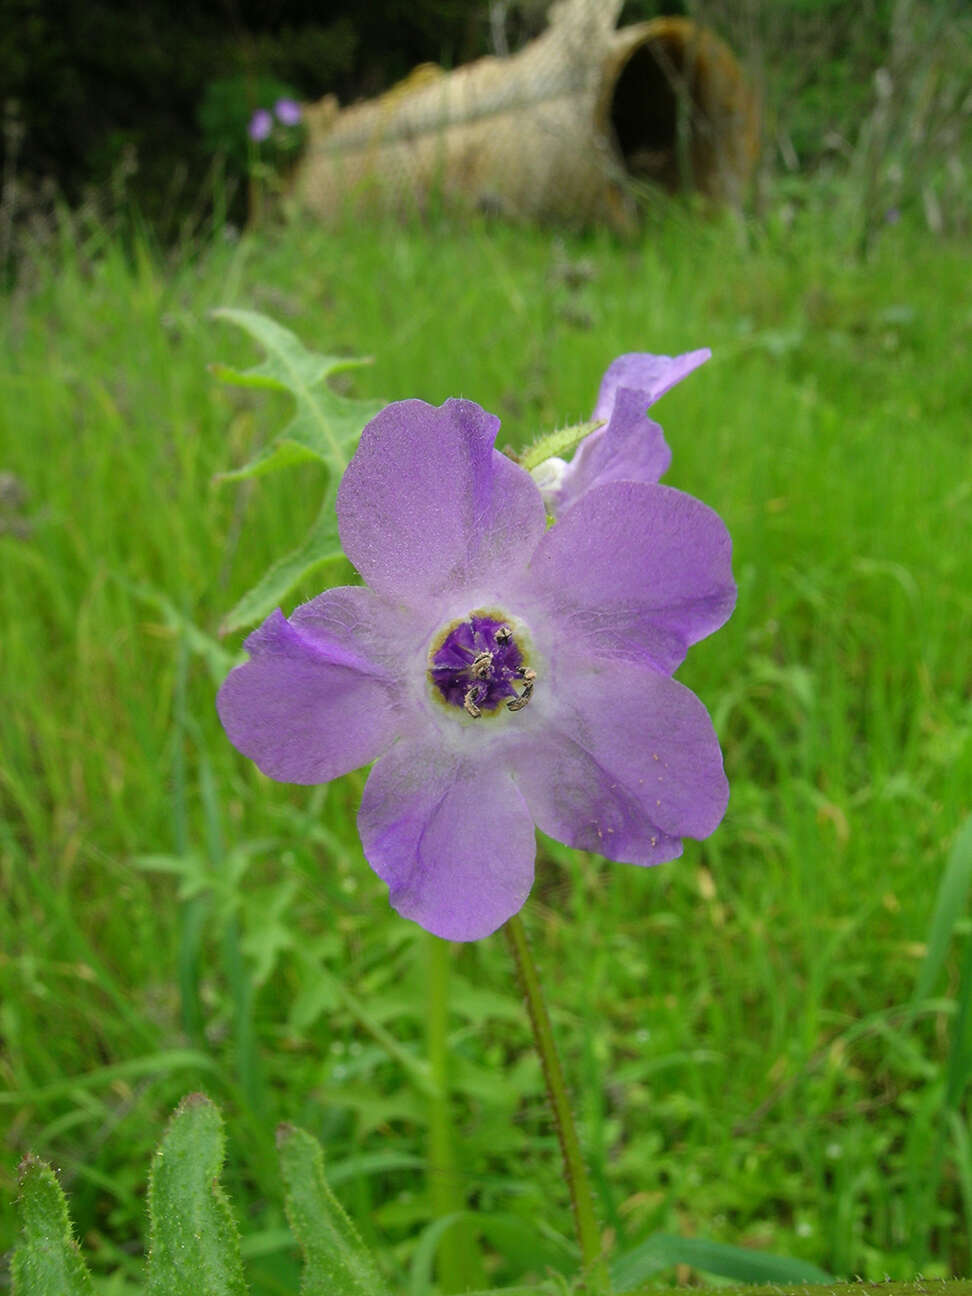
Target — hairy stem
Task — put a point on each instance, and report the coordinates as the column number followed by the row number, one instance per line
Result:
column 581, row 1198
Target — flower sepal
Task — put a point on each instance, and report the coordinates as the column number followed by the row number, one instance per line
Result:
column 554, row 445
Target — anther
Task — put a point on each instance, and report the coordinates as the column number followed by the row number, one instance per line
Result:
column 529, row 678
column 476, row 664
column 473, row 694
column 482, row 666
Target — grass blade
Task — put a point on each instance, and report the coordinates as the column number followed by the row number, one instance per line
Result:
column 953, row 893
column 662, row 1251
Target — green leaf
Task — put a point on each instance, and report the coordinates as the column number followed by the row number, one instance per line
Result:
column 963, row 1163
column 959, row 1066
column 953, row 893
column 325, row 426
column 194, row 1246
column 662, row 1251
column 372, row 1163
column 557, row 443
column 277, row 454
column 320, row 545
column 522, row 1244
column 423, row 1257
column 336, row 1262
column 47, row 1262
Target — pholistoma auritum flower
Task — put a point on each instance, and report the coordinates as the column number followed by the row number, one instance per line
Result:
column 261, row 125
column 501, row 674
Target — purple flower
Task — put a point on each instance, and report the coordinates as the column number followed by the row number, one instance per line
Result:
column 630, row 447
column 501, row 674
column 288, row 111
column 261, row 124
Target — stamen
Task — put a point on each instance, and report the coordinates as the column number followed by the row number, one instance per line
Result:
column 529, row 678
column 476, row 663
column 482, row 666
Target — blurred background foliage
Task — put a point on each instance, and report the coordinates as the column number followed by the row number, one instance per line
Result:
column 100, row 91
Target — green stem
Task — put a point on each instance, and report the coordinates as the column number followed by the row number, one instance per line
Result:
column 458, row 1267
column 581, row 1198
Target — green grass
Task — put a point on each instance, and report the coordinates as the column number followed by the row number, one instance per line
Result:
column 734, row 1024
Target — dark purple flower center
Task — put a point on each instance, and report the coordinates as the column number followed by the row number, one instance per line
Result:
column 477, row 665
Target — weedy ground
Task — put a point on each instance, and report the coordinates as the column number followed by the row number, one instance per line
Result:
column 736, row 1025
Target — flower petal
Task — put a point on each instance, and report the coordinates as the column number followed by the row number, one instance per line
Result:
column 427, row 506
column 630, row 448
column 315, row 699
column 628, row 765
column 453, row 840
column 651, row 375
column 635, row 571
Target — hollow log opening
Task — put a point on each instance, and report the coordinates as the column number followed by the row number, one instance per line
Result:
column 678, row 110
column 645, row 112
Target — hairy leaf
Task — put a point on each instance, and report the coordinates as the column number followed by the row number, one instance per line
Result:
column 194, row 1246
column 47, row 1262
column 336, row 1262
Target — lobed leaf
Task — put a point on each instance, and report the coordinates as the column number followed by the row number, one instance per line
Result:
column 325, row 426
column 194, row 1246
column 47, row 1262
column 336, row 1262
column 276, row 454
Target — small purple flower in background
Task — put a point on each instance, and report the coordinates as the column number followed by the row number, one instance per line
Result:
column 630, row 447
column 501, row 674
column 261, row 124
column 287, row 112
column 892, row 216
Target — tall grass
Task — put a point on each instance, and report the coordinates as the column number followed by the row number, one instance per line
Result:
column 748, row 1061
